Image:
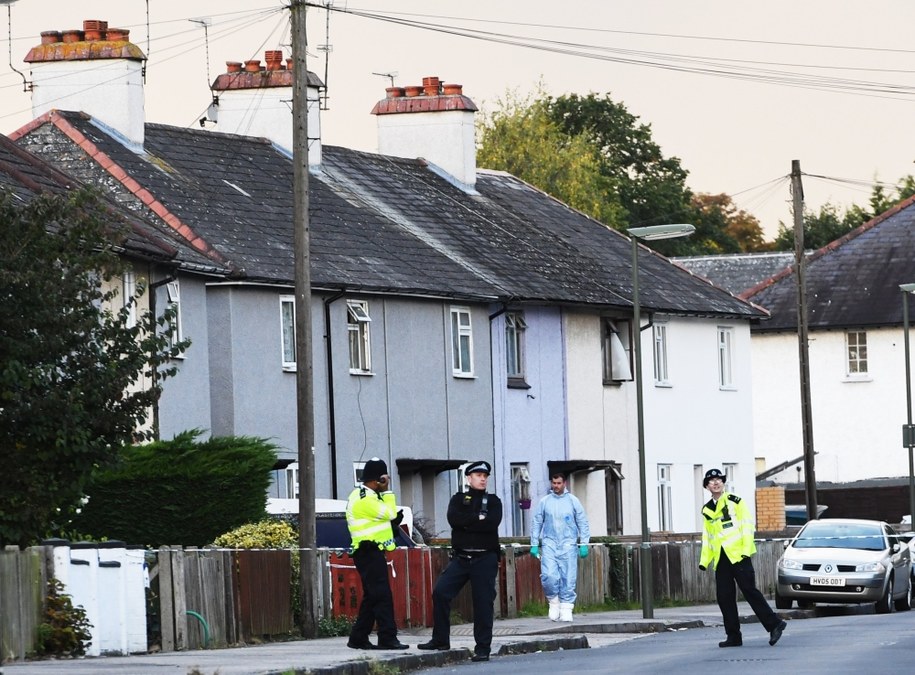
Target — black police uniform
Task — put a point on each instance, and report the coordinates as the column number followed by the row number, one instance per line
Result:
column 474, row 557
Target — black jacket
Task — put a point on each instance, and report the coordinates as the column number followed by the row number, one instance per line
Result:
column 469, row 531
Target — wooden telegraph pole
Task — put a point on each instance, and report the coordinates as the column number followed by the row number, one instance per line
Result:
column 810, row 483
column 304, row 382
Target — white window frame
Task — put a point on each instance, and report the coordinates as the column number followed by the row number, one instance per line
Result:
column 856, row 354
column 665, row 498
column 173, row 298
column 660, row 340
column 616, row 351
column 359, row 337
column 515, row 327
column 128, row 289
column 730, row 475
column 287, row 332
column 725, row 357
column 461, row 337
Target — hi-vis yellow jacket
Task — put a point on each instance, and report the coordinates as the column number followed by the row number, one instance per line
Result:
column 729, row 527
column 369, row 515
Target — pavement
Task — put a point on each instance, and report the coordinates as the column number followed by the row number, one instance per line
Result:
column 331, row 656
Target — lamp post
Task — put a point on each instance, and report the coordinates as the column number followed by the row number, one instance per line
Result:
column 908, row 433
column 649, row 233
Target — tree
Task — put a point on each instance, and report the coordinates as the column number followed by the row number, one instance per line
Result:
column 69, row 363
column 727, row 228
column 520, row 138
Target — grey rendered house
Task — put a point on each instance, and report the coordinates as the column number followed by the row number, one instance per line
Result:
column 458, row 313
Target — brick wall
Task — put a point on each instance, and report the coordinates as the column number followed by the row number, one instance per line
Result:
column 770, row 509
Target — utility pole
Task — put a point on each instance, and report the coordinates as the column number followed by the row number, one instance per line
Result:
column 810, row 483
column 308, row 567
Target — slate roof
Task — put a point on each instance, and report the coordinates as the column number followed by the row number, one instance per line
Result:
column 737, row 272
column 26, row 176
column 377, row 223
column 853, row 282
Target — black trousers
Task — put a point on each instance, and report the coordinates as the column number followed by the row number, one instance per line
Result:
column 377, row 601
column 481, row 571
column 728, row 578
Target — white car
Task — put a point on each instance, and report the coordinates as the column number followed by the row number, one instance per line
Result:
column 843, row 560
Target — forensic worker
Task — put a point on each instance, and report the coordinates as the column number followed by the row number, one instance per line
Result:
column 371, row 515
column 559, row 536
column 474, row 517
column 727, row 544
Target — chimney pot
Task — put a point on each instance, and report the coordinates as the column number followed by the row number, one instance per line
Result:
column 274, row 59
column 253, row 65
column 452, row 89
column 233, row 66
column 394, row 92
column 432, row 79
column 72, row 35
column 118, row 34
column 49, row 37
column 413, row 90
column 289, row 64
column 92, row 30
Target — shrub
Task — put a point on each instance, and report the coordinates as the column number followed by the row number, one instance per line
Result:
column 180, row 491
column 65, row 630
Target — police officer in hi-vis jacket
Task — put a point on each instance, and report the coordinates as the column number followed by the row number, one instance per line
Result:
column 727, row 546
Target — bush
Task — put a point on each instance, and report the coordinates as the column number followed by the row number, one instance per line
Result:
column 65, row 630
column 179, row 491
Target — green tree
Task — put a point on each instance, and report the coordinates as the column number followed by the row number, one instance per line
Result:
column 69, row 364
column 520, row 138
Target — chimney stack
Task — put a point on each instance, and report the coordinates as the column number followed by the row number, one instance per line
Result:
column 257, row 101
column 95, row 70
column 433, row 121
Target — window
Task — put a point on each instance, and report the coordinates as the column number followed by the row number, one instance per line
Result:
column 173, row 294
column 461, row 342
column 128, row 290
column 616, row 351
column 292, row 481
column 613, row 478
column 521, row 499
column 358, row 320
column 665, row 508
column 659, row 331
column 514, row 347
column 287, row 331
column 725, row 352
column 856, row 348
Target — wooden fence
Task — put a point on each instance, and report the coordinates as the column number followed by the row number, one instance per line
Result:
column 220, row 598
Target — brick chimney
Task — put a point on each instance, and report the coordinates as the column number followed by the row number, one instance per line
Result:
column 256, row 100
column 433, row 121
column 96, row 70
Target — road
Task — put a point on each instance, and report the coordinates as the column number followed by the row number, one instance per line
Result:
column 840, row 641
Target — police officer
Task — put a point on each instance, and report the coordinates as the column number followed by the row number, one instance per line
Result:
column 474, row 517
column 727, row 544
column 370, row 511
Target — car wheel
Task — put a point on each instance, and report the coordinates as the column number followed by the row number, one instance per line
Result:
column 904, row 604
column 885, row 604
column 782, row 603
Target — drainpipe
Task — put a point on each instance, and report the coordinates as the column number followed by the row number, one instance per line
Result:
column 332, row 424
column 153, row 287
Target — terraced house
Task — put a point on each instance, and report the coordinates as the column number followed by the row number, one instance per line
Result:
column 458, row 313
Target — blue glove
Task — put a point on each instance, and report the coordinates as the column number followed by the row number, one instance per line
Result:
column 535, row 551
column 583, row 551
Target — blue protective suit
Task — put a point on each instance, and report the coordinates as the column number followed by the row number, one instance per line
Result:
column 559, row 526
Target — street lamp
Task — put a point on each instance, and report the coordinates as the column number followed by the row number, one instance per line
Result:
column 649, row 233
column 908, row 433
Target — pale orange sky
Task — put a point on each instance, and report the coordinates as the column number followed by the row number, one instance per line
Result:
column 734, row 134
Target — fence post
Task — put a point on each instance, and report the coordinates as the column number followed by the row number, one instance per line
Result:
column 511, row 582
column 166, row 599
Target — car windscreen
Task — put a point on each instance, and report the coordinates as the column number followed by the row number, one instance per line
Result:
column 826, row 534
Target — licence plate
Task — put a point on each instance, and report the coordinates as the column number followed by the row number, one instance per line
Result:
column 827, row 581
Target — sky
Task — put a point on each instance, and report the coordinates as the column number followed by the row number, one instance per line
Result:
column 735, row 90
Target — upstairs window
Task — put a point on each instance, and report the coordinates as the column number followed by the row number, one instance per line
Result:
column 173, row 297
column 287, row 331
column 725, row 356
column 358, row 321
column 514, row 348
column 616, row 351
column 661, row 376
column 856, row 350
column 461, row 342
